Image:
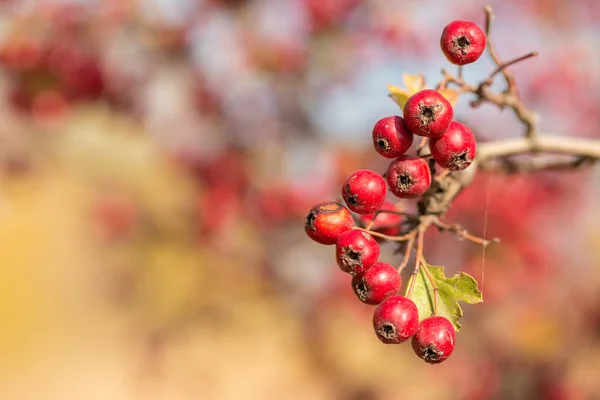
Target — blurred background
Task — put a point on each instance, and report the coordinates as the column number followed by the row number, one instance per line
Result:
column 157, row 159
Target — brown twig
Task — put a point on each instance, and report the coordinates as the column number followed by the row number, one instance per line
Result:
column 490, row 78
column 462, row 233
column 402, row 213
column 509, row 166
column 508, row 76
column 389, row 238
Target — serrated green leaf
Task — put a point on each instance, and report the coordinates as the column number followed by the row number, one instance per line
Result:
column 459, row 287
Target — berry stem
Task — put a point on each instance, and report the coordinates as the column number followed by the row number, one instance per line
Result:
column 407, row 251
column 435, row 288
column 401, row 238
column 372, row 222
column 443, row 174
column 422, row 144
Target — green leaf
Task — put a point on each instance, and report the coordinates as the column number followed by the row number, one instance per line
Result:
column 460, row 287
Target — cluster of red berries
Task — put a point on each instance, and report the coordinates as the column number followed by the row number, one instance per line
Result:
column 430, row 115
column 396, row 318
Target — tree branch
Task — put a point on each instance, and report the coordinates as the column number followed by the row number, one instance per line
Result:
column 543, row 144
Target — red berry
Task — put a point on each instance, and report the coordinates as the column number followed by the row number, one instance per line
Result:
column 462, row 42
column 356, row 251
column 435, row 339
column 408, row 177
column 428, row 113
column 364, row 191
column 377, row 284
column 386, row 223
column 391, row 137
column 396, row 319
column 455, row 149
column 327, row 221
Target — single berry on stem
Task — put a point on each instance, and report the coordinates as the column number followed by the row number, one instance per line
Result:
column 434, row 340
column 326, row 221
column 364, row 191
column 395, row 319
column 455, row 149
column 462, row 42
column 386, row 223
column 378, row 283
column 391, row 137
column 428, row 113
column 356, row 251
column 408, row 177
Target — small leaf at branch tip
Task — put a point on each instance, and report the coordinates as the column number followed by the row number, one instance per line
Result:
column 414, row 83
column 451, row 95
column 400, row 96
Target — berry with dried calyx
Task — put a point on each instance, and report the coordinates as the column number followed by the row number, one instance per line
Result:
column 408, row 177
column 391, row 137
column 395, row 319
column 327, row 221
column 377, row 284
column 364, row 191
column 434, row 340
column 428, row 113
column 462, row 42
column 455, row 149
column 356, row 251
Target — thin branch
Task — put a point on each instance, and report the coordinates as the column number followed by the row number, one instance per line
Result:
column 401, row 238
column 506, row 99
column 508, row 76
column 462, row 233
column 500, row 68
column 402, row 213
column 508, row 166
column 543, row 144
column 407, row 251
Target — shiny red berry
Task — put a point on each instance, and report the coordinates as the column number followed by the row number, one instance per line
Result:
column 428, row 113
column 455, row 149
column 395, row 319
column 356, row 251
column 327, row 221
column 386, row 223
column 435, row 339
column 364, row 191
column 462, row 42
column 377, row 284
column 391, row 137
column 408, row 177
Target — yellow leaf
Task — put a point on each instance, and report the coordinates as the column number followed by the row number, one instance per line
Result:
column 451, row 95
column 398, row 95
column 414, row 83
